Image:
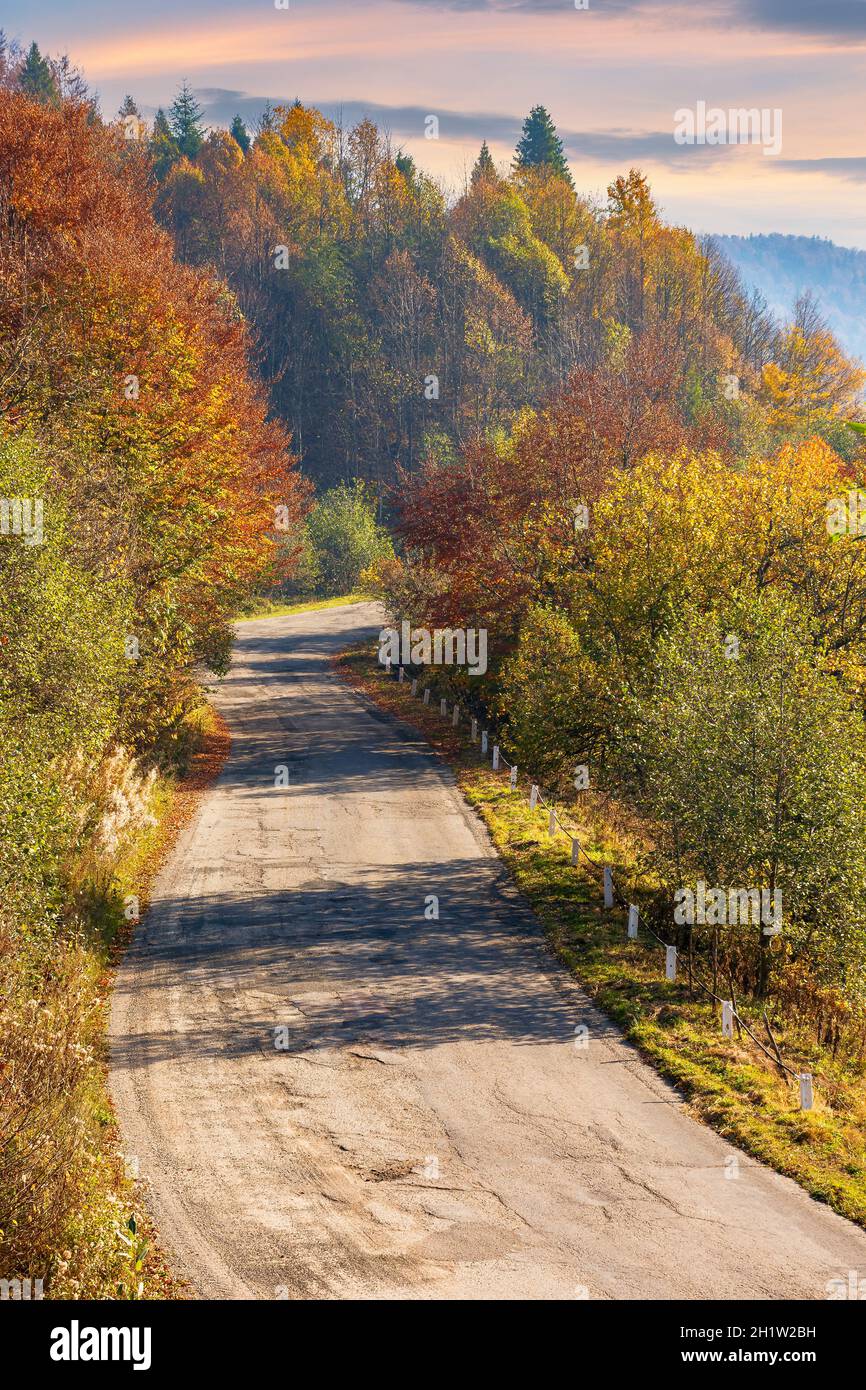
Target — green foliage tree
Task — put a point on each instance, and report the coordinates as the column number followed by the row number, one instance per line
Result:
column 62, row 670
column 749, row 762
column 539, row 144
column 36, row 79
column 163, row 147
column 344, row 537
column 553, row 699
column 240, row 134
column 484, row 168
column 185, row 123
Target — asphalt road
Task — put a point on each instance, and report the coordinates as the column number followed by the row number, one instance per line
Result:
column 430, row 1129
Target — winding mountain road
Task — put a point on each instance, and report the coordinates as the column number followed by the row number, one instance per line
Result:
column 429, row 1129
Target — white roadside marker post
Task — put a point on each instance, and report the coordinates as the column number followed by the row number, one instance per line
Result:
column 807, row 1095
column 608, row 886
column 496, row 757
column 632, row 922
column 533, row 797
column 427, row 695
column 483, row 743
column 514, row 777
column 415, row 687
column 455, row 718
column 727, row 1018
column 443, row 708
column 670, row 962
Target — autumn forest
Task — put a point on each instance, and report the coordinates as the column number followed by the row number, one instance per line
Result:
column 243, row 365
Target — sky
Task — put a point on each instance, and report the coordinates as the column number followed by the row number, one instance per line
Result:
column 613, row 75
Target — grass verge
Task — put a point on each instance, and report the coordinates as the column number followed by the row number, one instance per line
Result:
column 729, row 1084
column 270, row 608
column 74, row 1221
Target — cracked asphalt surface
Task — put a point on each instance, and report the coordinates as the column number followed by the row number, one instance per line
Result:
column 428, row 1128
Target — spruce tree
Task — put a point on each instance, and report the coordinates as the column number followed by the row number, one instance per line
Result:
column 539, row 145
column 164, row 152
column 36, row 78
column 240, row 134
column 185, row 122
column 484, row 166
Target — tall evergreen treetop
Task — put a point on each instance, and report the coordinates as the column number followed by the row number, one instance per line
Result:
column 484, row 166
column 540, row 145
column 36, row 78
column 184, row 119
column 240, row 134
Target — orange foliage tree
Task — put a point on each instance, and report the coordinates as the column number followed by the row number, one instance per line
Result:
column 135, row 372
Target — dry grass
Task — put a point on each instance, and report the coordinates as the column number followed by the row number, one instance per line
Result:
column 72, row 1215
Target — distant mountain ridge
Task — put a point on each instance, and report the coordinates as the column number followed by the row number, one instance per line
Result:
column 783, row 267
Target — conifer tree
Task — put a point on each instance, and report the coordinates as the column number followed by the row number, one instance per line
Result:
column 240, row 134
column 163, row 148
column 540, row 145
column 185, row 123
column 36, row 77
column 484, row 166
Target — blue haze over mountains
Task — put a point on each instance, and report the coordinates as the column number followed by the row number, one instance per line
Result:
column 783, row 267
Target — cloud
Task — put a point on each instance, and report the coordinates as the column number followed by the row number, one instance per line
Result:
column 820, row 18
column 599, row 7
column 613, row 146
column 221, row 104
column 627, row 146
column 852, row 168
column 836, row 18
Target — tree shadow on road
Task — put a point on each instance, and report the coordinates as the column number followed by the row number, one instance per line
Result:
column 341, row 964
